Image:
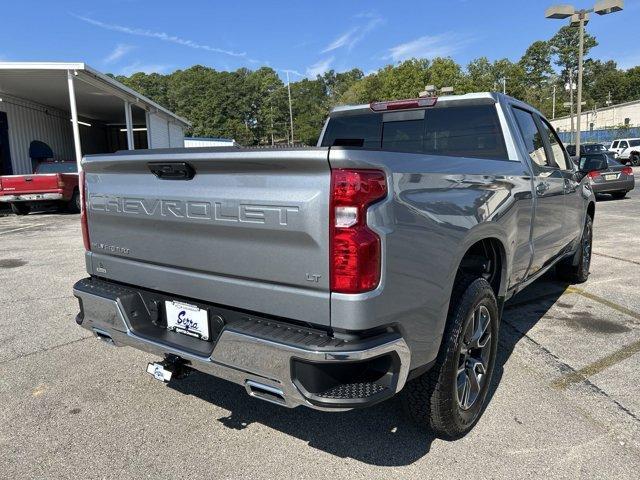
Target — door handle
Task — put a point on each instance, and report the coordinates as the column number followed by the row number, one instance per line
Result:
column 542, row 187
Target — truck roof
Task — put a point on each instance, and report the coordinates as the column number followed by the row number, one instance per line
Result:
column 477, row 98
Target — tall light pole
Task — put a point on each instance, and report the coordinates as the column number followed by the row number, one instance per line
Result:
column 553, row 108
column 579, row 18
column 290, row 107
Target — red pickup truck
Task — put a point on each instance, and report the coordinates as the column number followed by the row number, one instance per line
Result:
column 52, row 182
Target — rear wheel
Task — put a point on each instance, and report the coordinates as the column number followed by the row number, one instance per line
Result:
column 20, row 208
column 635, row 159
column 74, row 204
column 619, row 195
column 449, row 399
column 576, row 268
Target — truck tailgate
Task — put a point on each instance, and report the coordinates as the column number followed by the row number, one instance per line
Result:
column 22, row 184
column 249, row 230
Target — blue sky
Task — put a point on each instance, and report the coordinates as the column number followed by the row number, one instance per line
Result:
column 308, row 37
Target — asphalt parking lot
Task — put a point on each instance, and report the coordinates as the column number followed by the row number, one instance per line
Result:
column 565, row 400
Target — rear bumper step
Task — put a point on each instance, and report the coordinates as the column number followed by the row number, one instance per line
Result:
column 275, row 361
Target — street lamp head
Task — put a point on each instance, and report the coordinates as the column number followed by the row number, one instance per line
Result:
column 604, row 7
column 559, row 11
column 575, row 19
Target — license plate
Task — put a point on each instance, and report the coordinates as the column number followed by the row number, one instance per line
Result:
column 187, row 319
column 611, row 177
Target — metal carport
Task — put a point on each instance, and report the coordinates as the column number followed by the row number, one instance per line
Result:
column 76, row 110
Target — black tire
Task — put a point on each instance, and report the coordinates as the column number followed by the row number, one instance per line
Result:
column 619, row 195
column 74, row 204
column 433, row 399
column 635, row 159
column 20, row 208
column 575, row 269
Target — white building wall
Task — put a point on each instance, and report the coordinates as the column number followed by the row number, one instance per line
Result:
column 609, row 117
column 30, row 121
column 208, row 142
column 176, row 136
column 158, row 131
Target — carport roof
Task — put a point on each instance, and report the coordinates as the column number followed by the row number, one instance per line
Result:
column 96, row 94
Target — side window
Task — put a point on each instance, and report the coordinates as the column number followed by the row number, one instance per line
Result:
column 532, row 137
column 614, row 144
column 624, row 144
column 559, row 157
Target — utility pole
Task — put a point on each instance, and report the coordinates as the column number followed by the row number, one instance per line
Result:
column 272, row 142
column 582, row 14
column 290, row 107
column 553, row 108
column 504, row 85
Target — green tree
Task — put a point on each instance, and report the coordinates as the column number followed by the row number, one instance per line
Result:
column 536, row 65
column 564, row 47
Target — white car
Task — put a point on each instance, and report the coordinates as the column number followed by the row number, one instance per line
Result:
column 626, row 150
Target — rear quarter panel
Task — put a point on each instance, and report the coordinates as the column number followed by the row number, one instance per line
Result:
column 437, row 208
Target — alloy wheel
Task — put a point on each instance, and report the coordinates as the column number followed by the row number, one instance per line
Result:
column 474, row 357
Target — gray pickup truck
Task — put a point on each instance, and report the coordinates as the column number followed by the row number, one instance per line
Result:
column 336, row 276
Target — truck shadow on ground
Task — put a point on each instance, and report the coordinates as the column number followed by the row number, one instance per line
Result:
column 381, row 435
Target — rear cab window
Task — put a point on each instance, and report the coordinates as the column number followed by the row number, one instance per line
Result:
column 457, row 131
column 57, row 167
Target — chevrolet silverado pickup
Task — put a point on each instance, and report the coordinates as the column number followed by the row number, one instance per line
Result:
column 337, row 276
column 52, row 182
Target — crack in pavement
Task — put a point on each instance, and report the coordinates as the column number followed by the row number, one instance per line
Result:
column 44, row 350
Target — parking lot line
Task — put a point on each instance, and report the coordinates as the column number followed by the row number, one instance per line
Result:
column 616, row 258
column 22, row 228
column 597, row 366
column 605, row 302
column 604, row 362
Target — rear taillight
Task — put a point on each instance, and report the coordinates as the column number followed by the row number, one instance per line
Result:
column 355, row 254
column 594, row 174
column 83, row 212
column 627, row 171
column 60, row 180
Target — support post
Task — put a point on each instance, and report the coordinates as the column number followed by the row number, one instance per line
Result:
column 74, row 119
column 129, row 122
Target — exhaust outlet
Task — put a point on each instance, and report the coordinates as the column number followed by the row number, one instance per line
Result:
column 104, row 336
column 265, row 392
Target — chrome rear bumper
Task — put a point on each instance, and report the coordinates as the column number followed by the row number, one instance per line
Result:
column 263, row 365
column 31, row 197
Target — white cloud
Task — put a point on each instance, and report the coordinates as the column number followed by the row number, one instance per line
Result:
column 144, row 67
column 158, row 35
column 320, row 67
column 350, row 38
column 341, row 41
column 429, row 46
column 118, row 52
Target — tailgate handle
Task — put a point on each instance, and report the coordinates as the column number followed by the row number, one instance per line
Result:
column 172, row 170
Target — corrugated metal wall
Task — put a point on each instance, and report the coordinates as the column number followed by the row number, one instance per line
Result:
column 30, row 121
column 176, row 135
column 157, row 131
column 605, row 135
column 163, row 133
